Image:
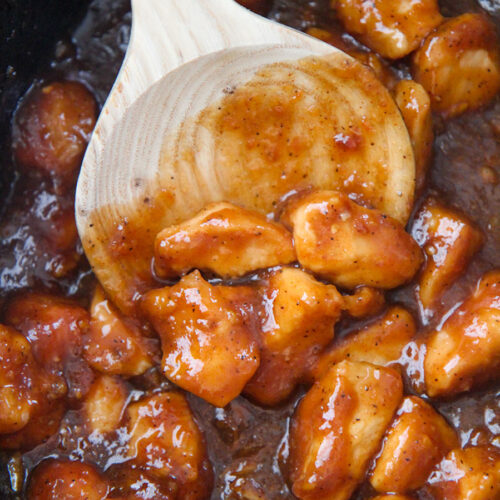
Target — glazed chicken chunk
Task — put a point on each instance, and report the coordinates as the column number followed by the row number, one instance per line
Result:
column 53, row 127
column 284, row 308
column 44, row 422
column 416, row 441
column 167, row 444
column 415, row 106
column 21, row 381
column 459, row 64
column 338, row 427
column 381, row 342
column 449, row 240
column 348, row 244
column 470, row 474
column 114, row 345
column 465, row 351
column 55, row 328
column 393, row 28
column 225, row 239
column 208, row 347
column 62, row 479
column 297, row 324
column 105, row 404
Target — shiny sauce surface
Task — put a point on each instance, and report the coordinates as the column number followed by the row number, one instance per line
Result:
column 244, row 440
column 315, row 122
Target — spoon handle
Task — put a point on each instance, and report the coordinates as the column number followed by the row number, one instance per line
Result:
column 168, row 33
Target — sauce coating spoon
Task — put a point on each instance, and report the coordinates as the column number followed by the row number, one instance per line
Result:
column 169, row 140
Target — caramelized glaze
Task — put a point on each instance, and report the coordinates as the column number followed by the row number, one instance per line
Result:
column 243, row 438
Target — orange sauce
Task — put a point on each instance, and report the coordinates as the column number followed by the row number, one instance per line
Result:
column 293, row 126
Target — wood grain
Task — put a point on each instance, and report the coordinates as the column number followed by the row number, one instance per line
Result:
column 184, row 56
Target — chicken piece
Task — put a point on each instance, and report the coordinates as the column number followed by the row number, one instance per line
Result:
column 44, row 422
column 208, row 347
column 459, row 64
column 114, row 345
column 465, row 351
column 17, row 367
column 364, row 302
column 65, row 480
column 381, row 342
column 225, row 239
column 55, row 328
column 381, row 69
column 167, row 445
column 338, row 427
column 393, row 28
column 297, row 324
column 53, row 127
column 348, row 244
column 30, row 404
column 470, row 474
column 105, row 403
column 19, row 379
column 417, row 440
column 449, row 240
column 415, row 105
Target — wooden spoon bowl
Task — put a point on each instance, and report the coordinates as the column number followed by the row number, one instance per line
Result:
column 215, row 103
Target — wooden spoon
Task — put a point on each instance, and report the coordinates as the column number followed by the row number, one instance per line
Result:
column 216, row 103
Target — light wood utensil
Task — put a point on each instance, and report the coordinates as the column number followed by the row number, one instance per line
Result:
column 183, row 56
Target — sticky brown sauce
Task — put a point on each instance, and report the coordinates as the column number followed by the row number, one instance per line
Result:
column 317, row 122
column 243, row 439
